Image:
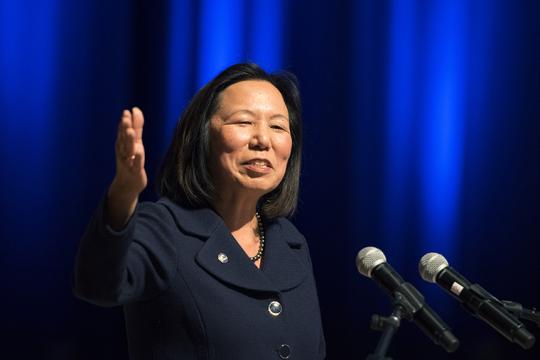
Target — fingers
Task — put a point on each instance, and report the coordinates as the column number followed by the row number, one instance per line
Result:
column 129, row 146
column 137, row 123
column 125, row 121
column 129, row 143
column 130, row 173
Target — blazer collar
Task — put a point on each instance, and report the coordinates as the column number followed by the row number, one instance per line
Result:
column 200, row 222
column 281, row 269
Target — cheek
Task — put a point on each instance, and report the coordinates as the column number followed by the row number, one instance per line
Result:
column 227, row 144
column 283, row 147
column 233, row 140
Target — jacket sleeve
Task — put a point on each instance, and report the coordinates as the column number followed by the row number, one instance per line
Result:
column 136, row 263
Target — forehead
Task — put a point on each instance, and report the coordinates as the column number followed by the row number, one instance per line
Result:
column 252, row 93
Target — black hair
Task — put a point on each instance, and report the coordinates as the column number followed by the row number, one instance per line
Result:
column 185, row 177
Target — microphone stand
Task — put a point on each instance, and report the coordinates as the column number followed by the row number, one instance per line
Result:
column 405, row 306
column 389, row 326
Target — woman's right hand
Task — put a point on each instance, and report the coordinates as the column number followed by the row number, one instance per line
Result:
column 130, row 178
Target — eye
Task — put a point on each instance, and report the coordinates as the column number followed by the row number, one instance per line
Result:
column 243, row 122
column 279, row 127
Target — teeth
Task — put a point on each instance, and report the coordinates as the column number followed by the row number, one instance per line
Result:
column 259, row 163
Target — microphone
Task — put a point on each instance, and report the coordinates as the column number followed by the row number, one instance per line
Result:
column 434, row 268
column 371, row 262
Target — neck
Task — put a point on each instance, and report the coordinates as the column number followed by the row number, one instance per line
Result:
column 236, row 211
column 239, row 215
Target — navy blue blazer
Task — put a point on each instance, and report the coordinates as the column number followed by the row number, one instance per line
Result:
column 189, row 291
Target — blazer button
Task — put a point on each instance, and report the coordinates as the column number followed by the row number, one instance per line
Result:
column 284, row 351
column 275, row 308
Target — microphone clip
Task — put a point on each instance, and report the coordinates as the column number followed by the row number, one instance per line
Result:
column 502, row 316
column 521, row 312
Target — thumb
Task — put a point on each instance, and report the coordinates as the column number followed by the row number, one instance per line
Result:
column 138, row 162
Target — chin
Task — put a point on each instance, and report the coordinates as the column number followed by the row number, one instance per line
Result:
column 263, row 189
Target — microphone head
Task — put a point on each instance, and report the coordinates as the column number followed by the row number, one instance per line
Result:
column 431, row 265
column 368, row 258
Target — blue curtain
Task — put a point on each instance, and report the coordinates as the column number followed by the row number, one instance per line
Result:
column 422, row 133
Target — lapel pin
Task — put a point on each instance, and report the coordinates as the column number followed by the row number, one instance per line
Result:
column 223, row 258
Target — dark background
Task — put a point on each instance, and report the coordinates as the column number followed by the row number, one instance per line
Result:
column 422, row 133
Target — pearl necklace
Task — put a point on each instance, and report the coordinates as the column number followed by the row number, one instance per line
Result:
column 261, row 239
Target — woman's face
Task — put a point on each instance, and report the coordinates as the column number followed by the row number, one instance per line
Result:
column 250, row 138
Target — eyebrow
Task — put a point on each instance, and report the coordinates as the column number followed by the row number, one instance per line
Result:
column 253, row 114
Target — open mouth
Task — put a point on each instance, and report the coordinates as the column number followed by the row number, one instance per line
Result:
column 258, row 166
column 259, row 163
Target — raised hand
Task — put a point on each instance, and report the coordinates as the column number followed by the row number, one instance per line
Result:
column 130, row 178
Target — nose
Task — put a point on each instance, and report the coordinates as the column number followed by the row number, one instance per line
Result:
column 260, row 139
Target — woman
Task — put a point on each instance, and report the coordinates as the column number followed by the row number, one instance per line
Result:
column 213, row 270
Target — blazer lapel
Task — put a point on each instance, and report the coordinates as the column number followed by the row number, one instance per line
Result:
column 281, row 264
column 237, row 270
column 222, row 256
